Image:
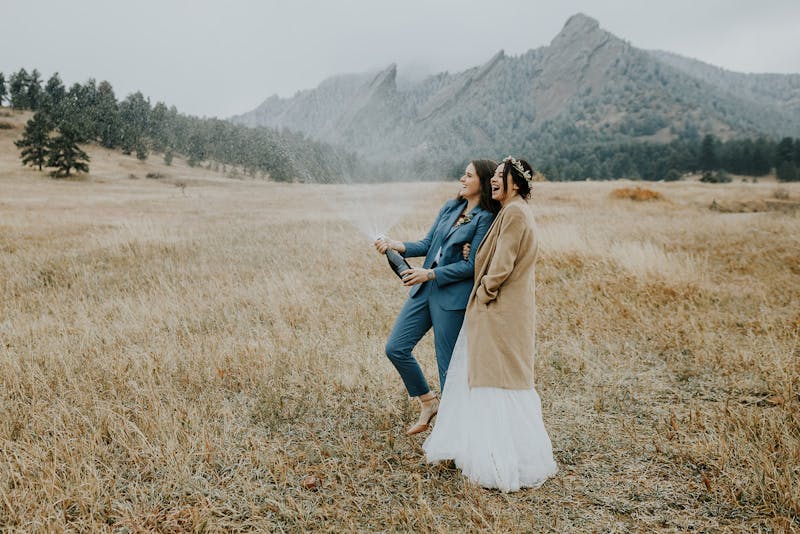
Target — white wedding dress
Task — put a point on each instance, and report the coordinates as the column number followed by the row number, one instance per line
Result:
column 496, row 436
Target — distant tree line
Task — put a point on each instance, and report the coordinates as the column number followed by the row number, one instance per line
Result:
column 708, row 156
column 91, row 113
column 565, row 158
column 669, row 161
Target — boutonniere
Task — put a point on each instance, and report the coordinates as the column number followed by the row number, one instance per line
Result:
column 464, row 219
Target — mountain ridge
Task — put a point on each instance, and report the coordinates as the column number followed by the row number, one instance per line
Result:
column 586, row 86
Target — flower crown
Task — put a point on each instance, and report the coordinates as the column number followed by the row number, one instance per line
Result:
column 518, row 166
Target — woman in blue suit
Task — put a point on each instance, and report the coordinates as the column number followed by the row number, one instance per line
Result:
column 441, row 287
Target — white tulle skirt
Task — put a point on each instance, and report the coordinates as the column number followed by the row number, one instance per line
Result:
column 496, row 436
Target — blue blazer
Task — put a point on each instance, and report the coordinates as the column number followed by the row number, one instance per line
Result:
column 454, row 275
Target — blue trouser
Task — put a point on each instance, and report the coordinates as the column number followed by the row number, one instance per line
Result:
column 415, row 319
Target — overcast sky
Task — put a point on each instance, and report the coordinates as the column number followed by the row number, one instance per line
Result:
column 219, row 58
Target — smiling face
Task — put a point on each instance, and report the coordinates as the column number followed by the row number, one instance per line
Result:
column 500, row 193
column 470, row 185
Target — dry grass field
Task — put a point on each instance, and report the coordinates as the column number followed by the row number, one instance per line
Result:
column 181, row 354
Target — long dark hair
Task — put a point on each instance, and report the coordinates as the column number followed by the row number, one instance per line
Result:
column 522, row 183
column 484, row 168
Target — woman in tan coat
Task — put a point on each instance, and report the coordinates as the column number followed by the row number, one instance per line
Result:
column 490, row 417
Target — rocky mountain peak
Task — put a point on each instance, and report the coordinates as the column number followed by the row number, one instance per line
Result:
column 385, row 82
column 577, row 58
column 577, row 27
column 579, row 32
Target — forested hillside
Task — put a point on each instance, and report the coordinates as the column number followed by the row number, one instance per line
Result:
column 91, row 113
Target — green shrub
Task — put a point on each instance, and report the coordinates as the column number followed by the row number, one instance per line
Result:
column 787, row 172
column 718, row 177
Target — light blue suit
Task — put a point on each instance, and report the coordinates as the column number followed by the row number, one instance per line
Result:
column 441, row 302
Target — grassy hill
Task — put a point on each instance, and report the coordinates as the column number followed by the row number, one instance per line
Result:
column 105, row 164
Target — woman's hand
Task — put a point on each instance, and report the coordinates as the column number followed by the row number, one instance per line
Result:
column 417, row 275
column 465, row 250
column 382, row 244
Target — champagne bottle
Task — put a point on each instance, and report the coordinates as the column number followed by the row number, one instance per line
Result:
column 397, row 262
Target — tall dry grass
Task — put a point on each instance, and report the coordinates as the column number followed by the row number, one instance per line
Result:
column 181, row 359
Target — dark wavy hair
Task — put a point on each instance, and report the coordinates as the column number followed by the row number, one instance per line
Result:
column 485, row 168
column 522, row 183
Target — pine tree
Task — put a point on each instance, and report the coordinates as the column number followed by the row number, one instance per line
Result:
column 65, row 154
column 35, row 140
column 54, row 93
column 107, row 122
column 134, row 113
column 18, row 89
column 759, row 163
column 797, row 151
column 196, row 150
column 77, row 111
column 784, row 151
column 34, row 90
column 2, row 88
column 157, row 127
column 141, row 149
column 787, row 172
column 708, row 155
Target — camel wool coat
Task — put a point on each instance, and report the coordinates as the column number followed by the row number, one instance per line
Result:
column 501, row 312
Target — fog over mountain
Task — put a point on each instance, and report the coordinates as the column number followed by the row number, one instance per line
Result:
column 587, row 86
